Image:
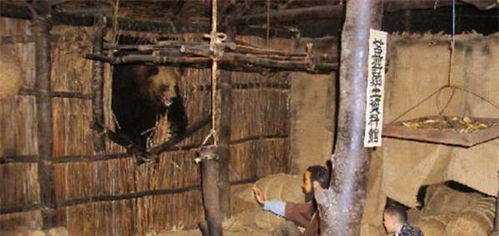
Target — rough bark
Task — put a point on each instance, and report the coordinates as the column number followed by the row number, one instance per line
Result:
column 228, row 60
column 98, row 91
column 211, row 193
column 341, row 206
column 41, row 29
column 225, row 102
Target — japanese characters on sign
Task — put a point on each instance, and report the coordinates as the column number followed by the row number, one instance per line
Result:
column 375, row 88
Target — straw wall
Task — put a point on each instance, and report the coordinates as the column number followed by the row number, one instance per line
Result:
column 19, row 185
column 111, row 195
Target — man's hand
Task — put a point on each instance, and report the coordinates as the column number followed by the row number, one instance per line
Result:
column 260, row 197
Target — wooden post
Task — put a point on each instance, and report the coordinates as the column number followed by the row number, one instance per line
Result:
column 341, row 206
column 225, row 102
column 41, row 30
column 98, row 91
column 211, row 194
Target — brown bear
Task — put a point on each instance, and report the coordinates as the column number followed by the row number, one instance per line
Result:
column 142, row 94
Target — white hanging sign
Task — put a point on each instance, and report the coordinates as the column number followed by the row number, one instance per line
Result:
column 375, row 88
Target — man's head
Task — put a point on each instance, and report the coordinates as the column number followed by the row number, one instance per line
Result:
column 314, row 173
column 394, row 218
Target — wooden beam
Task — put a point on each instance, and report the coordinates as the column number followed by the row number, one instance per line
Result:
column 288, row 15
column 229, row 60
column 337, row 11
column 89, row 19
column 43, row 64
column 58, row 94
column 341, row 206
column 99, row 140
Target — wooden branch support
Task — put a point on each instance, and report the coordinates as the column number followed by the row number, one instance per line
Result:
column 56, row 94
column 341, row 206
column 207, row 158
column 224, row 110
column 235, row 57
column 98, row 91
column 41, row 30
column 177, row 139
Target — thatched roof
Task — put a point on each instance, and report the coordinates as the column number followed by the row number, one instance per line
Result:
column 194, row 15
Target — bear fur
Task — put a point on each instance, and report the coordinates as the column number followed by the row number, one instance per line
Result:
column 142, row 94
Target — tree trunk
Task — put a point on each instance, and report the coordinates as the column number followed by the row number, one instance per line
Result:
column 211, row 193
column 225, row 104
column 341, row 206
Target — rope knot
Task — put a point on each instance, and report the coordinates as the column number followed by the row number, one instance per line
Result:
column 216, row 43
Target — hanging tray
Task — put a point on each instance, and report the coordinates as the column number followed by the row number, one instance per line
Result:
column 451, row 130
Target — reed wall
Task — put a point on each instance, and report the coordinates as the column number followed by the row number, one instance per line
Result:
column 111, row 195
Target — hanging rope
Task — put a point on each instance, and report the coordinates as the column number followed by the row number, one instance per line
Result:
column 451, row 62
column 216, row 49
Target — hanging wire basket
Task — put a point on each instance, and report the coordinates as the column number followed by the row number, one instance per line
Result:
column 450, row 130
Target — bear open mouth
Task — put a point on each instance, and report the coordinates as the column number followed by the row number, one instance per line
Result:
column 167, row 102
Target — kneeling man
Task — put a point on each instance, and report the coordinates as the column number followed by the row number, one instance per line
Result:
column 305, row 214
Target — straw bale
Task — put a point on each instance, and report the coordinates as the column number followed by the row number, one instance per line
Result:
column 9, row 223
column 449, row 212
column 433, row 225
column 441, row 199
column 371, row 230
column 11, row 76
column 476, row 219
column 280, row 186
column 238, row 204
column 19, row 184
column 18, row 132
